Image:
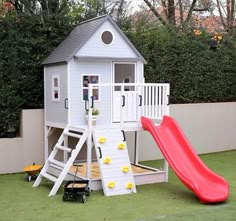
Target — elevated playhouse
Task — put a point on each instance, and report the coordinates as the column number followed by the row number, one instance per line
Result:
column 97, row 69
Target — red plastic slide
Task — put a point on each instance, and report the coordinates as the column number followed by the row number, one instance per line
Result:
column 207, row 185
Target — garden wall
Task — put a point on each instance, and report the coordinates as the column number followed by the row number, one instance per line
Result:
column 16, row 153
column 209, row 127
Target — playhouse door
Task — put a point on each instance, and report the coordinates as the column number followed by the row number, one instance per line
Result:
column 126, row 101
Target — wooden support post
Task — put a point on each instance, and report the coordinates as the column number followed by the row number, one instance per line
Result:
column 136, row 147
column 46, row 133
column 65, row 153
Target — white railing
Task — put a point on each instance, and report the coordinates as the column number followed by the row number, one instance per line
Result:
column 130, row 101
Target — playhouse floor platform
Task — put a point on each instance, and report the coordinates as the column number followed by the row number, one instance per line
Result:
column 96, row 173
column 142, row 174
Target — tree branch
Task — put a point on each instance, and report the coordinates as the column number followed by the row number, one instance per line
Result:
column 221, row 14
column 181, row 12
column 201, row 9
column 232, row 13
column 171, row 12
column 163, row 3
column 190, row 12
column 161, row 19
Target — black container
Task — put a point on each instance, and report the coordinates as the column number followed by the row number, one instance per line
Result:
column 76, row 190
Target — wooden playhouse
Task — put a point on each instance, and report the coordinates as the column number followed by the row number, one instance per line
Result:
column 97, row 69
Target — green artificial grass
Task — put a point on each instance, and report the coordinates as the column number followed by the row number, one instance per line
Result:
column 160, row 201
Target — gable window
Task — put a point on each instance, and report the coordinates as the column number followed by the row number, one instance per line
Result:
column 107, row 37
column 55, row 87
column 86, row 80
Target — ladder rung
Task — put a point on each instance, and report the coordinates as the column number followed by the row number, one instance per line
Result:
column 58, row 163
column 73, row 135
column 49, row 177
column 80, row 130
column 60, row 147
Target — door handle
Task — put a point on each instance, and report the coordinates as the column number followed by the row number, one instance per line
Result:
column 123, row 132
column 66, row 103
column 92, row 101
column 86, row 105
column 123, row 100
column 140, row 100
column 100, row 153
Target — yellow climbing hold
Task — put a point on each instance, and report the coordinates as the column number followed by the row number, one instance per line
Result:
column 111, row 184
column 107, row 160
column 130, row 186
column 102, row 140
column 121, row 146
column 125, row 169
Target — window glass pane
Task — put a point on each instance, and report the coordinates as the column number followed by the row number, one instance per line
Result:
column 95, row 94
column 55, row 80
column 85, row 94
column 107, row 37
column 90, row 79
column 93, row 79
column 56, row 94
column 85, row 81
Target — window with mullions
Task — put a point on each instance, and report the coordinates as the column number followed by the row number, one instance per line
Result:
column 55, row 87
column 90, row 79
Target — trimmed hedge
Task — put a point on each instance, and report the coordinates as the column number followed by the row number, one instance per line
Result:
column 24, row 43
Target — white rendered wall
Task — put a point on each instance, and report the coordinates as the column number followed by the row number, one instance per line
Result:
column 16, row 153
column 210, row 127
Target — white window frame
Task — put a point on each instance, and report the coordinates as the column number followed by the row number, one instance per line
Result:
column 56, row 88
column 82, row 87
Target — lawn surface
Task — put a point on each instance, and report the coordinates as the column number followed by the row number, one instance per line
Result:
column 161, row 201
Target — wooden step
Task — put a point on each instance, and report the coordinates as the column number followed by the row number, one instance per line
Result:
column 49, row 177
column 73, row 135
column 60, row 147
column 56, row 162
column 79, row 130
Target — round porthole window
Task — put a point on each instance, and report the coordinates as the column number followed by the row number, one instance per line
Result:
column 107, row 37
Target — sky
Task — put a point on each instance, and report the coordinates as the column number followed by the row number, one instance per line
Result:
column 134, row 4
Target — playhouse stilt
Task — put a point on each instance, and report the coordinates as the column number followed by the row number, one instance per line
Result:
column 63, row 166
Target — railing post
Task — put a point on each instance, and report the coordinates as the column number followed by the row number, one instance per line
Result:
column 167, row 97
column 90, row 129
column 122, row 106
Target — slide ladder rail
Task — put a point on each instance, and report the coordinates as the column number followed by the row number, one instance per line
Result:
column 81, row 135
column 187, row 165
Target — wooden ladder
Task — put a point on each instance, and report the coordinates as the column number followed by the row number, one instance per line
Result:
column 69, row 131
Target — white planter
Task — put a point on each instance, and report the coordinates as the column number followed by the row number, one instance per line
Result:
column 94, row 119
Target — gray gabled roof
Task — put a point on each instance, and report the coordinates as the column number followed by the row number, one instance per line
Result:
column 79, row 36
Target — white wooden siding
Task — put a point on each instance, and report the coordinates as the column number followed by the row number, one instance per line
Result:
column 118, row 49
column 77, row 106
column 55, row 110
column 139, row 72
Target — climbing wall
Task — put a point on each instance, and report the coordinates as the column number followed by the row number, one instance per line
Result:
column 114, row 163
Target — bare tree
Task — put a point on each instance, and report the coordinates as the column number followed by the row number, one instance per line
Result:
column 166, row 13
column 226, row 11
